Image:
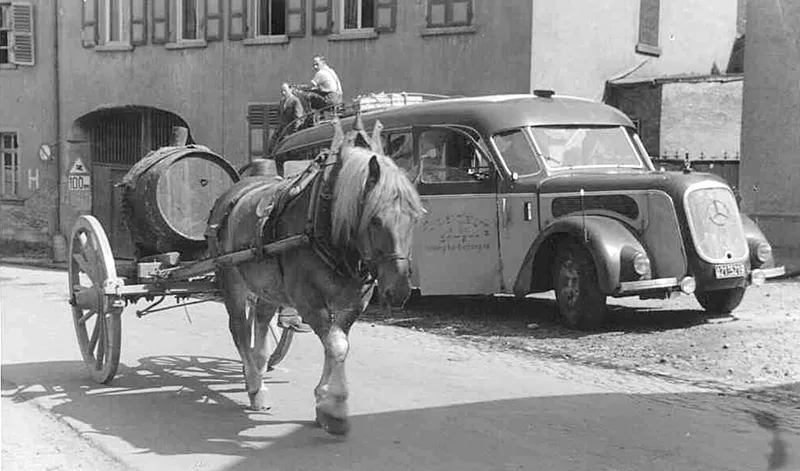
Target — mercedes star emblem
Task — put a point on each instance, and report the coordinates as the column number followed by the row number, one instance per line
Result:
column 718, row 213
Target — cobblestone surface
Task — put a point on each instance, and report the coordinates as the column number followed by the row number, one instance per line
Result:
column 752, row 353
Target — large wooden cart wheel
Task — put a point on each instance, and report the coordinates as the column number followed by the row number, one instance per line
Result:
column 97, row 316
column 277, row 340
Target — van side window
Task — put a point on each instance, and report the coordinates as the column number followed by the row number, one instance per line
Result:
column 400, row 147
column 448, row 155
column 517, row 152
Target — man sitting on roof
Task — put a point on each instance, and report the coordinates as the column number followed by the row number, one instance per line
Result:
column 325, row 91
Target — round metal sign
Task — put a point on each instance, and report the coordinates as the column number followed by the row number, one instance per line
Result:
column 45, row 152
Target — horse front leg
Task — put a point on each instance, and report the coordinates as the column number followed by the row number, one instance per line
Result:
column 242, row 327
column 331, row 392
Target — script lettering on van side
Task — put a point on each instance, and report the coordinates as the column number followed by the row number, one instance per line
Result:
column 457, row 232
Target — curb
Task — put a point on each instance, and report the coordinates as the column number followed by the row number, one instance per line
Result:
column 33, row 262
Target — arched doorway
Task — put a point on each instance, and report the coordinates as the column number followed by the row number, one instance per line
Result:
column 115, row 139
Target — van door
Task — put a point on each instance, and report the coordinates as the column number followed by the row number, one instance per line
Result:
column 517, row 203
column 456, row 247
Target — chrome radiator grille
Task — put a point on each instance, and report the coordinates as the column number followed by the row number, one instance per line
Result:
column 715, row 224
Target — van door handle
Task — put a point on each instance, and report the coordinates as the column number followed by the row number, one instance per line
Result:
column 528, row 211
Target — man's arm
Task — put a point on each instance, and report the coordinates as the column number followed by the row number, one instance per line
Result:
column 298, row 109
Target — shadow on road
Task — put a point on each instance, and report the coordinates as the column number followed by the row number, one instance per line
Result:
column 181, row 405
column 511, row 317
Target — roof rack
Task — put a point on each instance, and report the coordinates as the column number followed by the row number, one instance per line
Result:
column 372, row 101
column 382, row 100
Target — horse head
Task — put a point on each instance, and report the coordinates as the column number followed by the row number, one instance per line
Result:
column 375, row 209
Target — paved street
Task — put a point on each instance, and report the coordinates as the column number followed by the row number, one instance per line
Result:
column 418, row 401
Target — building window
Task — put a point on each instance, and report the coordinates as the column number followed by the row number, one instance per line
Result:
column 5, row 33
column 188, row 20
column 446, row 13
column 270, row 17
column 9, row 152
column 357, row 14
column 649, row 18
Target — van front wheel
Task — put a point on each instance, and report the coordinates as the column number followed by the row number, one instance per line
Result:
column 581, row 303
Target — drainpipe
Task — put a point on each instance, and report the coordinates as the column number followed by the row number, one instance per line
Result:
column 59, row 242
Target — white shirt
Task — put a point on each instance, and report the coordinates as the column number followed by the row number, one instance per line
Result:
column 327, row 80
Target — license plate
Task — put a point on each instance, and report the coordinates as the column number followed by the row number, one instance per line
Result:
column 729, row 270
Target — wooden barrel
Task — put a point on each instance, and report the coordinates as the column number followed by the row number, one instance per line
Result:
column 167, row 198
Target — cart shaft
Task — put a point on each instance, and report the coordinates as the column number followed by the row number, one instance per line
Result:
column 207, row 266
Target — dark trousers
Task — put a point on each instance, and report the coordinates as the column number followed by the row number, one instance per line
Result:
column 322, row 100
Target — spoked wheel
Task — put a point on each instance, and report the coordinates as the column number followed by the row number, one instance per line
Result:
column 277, row 339
column 97, row 317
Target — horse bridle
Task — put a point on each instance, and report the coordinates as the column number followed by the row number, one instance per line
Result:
column 369, row 265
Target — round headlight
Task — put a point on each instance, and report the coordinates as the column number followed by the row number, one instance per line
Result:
column 641, row 264
column 688, row 285
column 763, row 251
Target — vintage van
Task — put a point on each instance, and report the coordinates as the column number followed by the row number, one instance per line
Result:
column 531, row 193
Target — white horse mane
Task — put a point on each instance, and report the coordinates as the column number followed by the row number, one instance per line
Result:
column 353, row 210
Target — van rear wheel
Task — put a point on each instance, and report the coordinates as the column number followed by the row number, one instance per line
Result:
column 581, row 303
column 721, row 301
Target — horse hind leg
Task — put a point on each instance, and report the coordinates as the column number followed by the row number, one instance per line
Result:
column 259, row 319
column 241, row 328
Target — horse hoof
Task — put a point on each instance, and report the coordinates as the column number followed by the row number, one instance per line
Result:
column 260, row 401
column 331, row 424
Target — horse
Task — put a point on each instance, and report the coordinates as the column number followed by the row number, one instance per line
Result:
column 373, row 209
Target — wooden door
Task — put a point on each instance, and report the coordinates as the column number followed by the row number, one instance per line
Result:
column 107, row 207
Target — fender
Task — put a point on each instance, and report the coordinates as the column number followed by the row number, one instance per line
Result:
column 605, row 238
column 754, row 237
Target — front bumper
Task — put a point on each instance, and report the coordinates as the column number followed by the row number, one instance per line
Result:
column 686, row 285
column 760, row 275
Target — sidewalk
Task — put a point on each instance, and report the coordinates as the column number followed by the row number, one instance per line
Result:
column 33, row 262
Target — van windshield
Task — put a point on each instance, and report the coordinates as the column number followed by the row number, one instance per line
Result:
column 585, row 147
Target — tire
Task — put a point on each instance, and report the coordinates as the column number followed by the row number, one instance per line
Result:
column 97, row 319
column 722, row 301
column 581, row 303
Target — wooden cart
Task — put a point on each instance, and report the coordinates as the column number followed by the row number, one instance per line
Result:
column 100, row 289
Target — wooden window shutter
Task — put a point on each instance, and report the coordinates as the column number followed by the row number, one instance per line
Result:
column 161, row 26
column 22, row 21
column 138, row 22
column 90, row 34
column 237, row 19
column 649, row 22
column 296, row 19
column 257, row 130
column 323, row 17
column 273, row 111
column 437, row 13
column 213, row 20
column 460, row 13
column 386, row 16
column 257, row 115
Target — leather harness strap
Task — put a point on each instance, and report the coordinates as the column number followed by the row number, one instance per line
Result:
column 319, row 178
